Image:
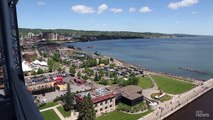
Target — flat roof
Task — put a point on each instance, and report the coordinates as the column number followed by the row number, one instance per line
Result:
column 131, row 92
column 97, row 95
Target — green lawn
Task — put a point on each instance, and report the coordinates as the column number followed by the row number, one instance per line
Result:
column 116, row 115
column 145, row 82
column 63, row 112
column 47, row 105
column 172, row 86
column 50, row 115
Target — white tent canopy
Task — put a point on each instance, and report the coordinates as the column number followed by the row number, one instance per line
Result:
column 26, row 67
column 42, row 63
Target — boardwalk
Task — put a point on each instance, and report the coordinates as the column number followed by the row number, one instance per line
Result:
column 167, row 108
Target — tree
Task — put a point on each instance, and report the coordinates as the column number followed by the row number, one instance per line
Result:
column 89, row 63
column 68, row 99
column 89, row 72
column 74, row 66
column 115, row 80
column 72, row 70
column 104, row 82
column 56, row 57
column 133, row 81
column 96, row 78
column 85, row 77
column 50, row 63
column 79, row 74
column 86, row 109
column 34, row 72
column 102, row 73
column 40, row 71
column 104, row 61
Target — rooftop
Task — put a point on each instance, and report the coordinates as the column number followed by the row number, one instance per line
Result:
column 98, row 95
column 131, row 92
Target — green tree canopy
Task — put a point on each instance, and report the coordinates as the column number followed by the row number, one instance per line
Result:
column 86, row 109
column 68, row 99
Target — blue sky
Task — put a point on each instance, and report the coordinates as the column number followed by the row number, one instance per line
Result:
column 164, row 16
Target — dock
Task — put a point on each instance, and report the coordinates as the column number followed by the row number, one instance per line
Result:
column 168, row 108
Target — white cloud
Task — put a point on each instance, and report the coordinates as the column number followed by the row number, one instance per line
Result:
column 182, row 3
column 102, row 8
column 41, row 3
column 116, row 10
column 145, row 9
column 132, row 9
column 82, row 9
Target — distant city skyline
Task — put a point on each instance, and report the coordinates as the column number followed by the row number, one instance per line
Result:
column 165, row 16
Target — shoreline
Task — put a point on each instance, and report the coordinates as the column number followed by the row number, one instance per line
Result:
column 170, row 107
column 125, row 63
column 153, row 72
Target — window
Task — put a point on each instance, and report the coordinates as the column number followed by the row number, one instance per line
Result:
column 95, row 105
column 96, row 111
column 110, row 100
column 106, row 107
column 106, row 102
column 101, row 109
column 110, row 105
column 101, row 103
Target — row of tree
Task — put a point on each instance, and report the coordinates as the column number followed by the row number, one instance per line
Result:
column 84, row 106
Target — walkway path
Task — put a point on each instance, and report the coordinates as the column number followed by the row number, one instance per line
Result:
column 155, row 87
column 50, row 108
column 148, row 92
column 167, row 108
column 58, row 113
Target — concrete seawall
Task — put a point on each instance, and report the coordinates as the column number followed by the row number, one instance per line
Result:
column 167, row 108
column 191, row 100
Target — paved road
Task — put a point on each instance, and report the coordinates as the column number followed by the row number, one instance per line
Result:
column 169, row 107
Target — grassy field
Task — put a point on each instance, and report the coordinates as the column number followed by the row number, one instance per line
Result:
column 172, row 86
column 47, row 105
column 50, row 115
column 64, row 113
column 116, row 115
column 145, row 82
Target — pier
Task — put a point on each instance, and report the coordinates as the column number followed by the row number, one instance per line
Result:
column 165, row 109
column 194, row 70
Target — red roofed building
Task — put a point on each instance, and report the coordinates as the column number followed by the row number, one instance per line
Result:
column 79, row 81
column 103, row 100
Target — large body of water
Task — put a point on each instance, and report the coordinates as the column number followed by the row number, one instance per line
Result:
column 167, row 55
column 164, row 55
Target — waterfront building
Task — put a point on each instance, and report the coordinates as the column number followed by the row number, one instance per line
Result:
column 102, row 98
column 131, row 95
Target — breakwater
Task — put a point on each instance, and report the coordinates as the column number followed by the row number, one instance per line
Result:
column 194, row 70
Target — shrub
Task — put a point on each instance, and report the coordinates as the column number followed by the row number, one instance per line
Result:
column 136, row 108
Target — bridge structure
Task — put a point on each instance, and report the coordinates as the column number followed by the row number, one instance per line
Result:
column 16, row 103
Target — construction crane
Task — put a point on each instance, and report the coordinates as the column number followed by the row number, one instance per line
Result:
column 16, row 103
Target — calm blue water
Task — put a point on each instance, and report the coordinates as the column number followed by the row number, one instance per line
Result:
column 164, row 55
